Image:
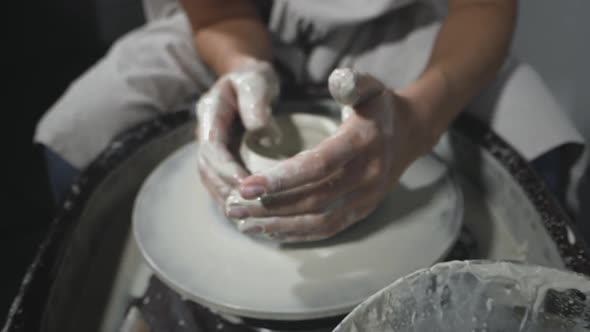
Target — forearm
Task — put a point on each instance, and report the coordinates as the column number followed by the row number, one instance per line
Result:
column 227, row 33
column 468, row 52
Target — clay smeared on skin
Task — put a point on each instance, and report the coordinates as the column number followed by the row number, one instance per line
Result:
column 351, row 88
column 343, row 86
column 299, row 134
column 256, row 86
column 247, row 94
column 356, row 92
column 348, row 88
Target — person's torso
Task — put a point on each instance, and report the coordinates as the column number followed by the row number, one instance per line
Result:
column 341, row 11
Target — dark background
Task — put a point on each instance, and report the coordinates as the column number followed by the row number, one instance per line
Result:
column 47, row 45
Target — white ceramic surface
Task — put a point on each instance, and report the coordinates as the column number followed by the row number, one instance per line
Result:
column 190, row 245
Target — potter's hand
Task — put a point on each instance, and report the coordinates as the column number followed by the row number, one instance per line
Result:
column 248, row 92
column 320, row 192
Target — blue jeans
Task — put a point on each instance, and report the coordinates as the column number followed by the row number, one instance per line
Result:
column 61, row 174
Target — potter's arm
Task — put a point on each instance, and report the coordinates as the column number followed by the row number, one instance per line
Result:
column 469, row 50
column 227, row 33
column 344, row 178
column 232, row 40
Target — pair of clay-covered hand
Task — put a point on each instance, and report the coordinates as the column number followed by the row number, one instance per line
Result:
column 318, row 192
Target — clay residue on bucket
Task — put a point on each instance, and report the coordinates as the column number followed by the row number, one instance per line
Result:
column 478, row 296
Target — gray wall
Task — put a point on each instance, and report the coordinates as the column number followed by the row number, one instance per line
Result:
column 554, row 37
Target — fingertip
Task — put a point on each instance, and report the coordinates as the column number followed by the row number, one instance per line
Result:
column 254, row 230
column 350, row 87
column 256, row 117
column 253, row 187
column 342, row 85
column 254, row 179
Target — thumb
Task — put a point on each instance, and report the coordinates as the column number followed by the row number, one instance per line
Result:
column 351, row 88
column 255, row 92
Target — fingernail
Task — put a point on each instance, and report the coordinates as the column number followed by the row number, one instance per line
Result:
column 252, row 191
column 253, row 230
column 238, row 212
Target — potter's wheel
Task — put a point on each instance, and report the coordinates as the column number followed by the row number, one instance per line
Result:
column 195, row 250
